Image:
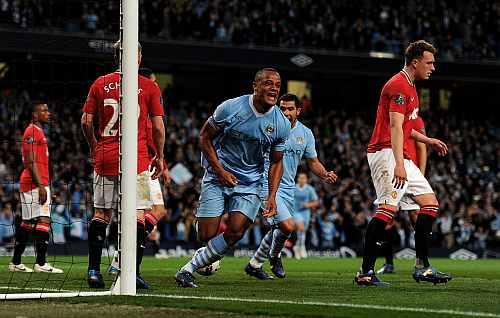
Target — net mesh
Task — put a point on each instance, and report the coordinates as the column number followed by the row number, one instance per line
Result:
column 63, row 82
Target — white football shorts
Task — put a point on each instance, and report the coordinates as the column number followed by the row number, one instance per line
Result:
column 382, row 165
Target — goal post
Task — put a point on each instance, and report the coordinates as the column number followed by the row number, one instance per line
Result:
column 128, row 146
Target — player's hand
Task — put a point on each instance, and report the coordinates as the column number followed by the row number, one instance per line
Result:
column 399, row 176
column 227, row 179
column 330, row 177
column 42, row 195
column 439, row 146
column 166, row 175
column 156, row 167
column 270, row 209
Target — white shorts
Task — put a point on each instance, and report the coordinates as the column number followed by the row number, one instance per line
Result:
column 382, row 165
column 155, row 188
column 30, row 206
column 106, row 191
column 408, row 204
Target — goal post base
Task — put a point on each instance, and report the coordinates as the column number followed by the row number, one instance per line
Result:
column 43, row 295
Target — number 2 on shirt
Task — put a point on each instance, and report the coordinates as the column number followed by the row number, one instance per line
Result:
column 113, row 103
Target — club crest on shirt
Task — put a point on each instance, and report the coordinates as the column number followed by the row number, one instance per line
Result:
column 299, row 140
column 30, row 140
column 399, row 99
column 270, row 129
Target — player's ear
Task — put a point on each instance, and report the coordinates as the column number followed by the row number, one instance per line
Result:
column 414, row 63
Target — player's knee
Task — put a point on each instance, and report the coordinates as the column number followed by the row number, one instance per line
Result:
column 104, row 215
column 159, row 211
column 287, row 226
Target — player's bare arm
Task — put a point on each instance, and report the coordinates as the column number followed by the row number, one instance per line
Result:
column 158, row 129
column 207, row 135
column 30, row 164
column 275, row 174
column 396, row 123
column 438, row 145
column 311, row 204
column 87, row 123
column 318, row 169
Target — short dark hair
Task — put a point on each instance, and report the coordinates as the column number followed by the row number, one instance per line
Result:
column 415, row 50
column 288, row 97
column 36, row 103
column 117, row 47
column 261, row 72
column 146, row 72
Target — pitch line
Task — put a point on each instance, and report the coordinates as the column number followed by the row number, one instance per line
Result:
column 324, row 304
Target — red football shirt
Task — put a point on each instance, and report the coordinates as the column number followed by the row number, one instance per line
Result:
column 34, row 141
column 398, row 95
column 412, row 143
column 102, row 101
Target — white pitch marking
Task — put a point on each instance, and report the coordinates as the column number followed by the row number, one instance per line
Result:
column 316, row 303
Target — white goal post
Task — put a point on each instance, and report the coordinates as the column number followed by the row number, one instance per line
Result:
column 128, row 148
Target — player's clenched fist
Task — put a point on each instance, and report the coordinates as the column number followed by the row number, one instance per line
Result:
column 270, row 209
column 227, row 179
column 156, row 167
column 330, row 177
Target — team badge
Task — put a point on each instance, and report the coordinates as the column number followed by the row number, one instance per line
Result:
column 30, row 140
column 394, row 194
column 299, row 140
column 270, row 129
column 399, row 99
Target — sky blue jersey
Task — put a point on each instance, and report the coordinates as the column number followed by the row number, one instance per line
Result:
column 246, row 136
column 303, row 195
column 299, row 144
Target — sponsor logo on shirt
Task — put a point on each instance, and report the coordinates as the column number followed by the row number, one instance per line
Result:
column 399, row 99
column 270, row 129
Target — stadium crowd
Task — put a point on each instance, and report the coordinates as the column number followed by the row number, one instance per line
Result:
column 466, row 181
column 461, row 29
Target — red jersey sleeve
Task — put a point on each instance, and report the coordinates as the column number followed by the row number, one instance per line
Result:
column 91, row 103
column 397, row 97
column 155, row 101
column 419, row 125
column 31, row 138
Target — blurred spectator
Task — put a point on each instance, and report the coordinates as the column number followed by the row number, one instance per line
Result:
column 7, row 225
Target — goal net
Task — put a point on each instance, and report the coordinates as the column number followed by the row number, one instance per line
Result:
column 61, row 81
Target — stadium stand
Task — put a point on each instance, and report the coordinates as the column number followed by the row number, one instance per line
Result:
column 352, row 26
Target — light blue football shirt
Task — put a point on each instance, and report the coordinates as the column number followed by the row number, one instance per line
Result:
column 299, row 144
column 246, row 136
column 303, row 195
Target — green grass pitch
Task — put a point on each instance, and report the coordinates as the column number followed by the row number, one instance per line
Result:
column 315, row 287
